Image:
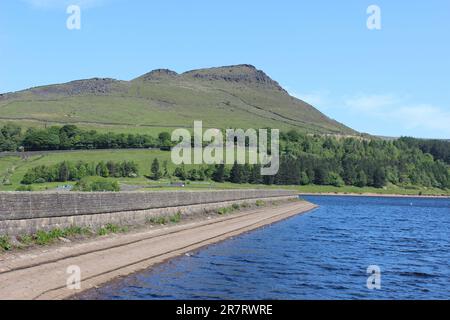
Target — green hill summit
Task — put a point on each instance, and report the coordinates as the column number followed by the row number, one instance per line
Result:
column 239, row 96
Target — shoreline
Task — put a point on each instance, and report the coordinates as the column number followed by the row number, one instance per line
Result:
column 43, row 276
column 373, row 195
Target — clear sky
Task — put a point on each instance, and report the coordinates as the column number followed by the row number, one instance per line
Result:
column 394, row 81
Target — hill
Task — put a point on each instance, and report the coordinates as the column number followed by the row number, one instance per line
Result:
column 235, row 96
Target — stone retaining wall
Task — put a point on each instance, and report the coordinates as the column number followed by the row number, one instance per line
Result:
column 24, row 213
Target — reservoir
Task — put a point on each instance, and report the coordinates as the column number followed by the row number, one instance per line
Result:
column 323, row 254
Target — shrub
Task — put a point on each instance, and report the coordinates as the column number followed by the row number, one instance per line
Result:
column 45, row 238
column 5, row 243
column 176, row 217
column 111, row 228
column 222, row 211
column 23, row 188
column 26, row 239
column 74, row 231
column 245, row 205
column 105, row 186
column 260, row 203
column 157, row 220
column 97, row 185
column 227, row 210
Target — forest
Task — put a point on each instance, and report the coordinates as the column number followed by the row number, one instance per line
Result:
column 305, row 159
column 331, row 161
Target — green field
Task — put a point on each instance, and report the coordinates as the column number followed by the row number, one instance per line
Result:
column 15, row 168
column 19, row 167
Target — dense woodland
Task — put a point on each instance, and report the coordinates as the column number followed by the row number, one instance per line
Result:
column 360, row 162
column 338, row 162
column 305, row 159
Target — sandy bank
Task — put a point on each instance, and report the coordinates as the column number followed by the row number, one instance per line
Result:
column 43, row 275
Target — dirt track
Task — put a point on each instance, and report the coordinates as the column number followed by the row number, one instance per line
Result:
column 42, row 275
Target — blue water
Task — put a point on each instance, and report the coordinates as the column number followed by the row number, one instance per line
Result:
column 320, row 255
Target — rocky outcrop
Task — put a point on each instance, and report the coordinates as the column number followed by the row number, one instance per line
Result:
column 158, row 74
column 241, row 74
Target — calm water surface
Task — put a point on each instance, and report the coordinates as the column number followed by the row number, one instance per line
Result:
column 320, row 255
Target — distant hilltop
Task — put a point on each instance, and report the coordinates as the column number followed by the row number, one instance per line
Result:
column 232, row 96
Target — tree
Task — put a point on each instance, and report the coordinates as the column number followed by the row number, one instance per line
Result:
column 293, row 135
column 219, row 173
column 202, row 174
column 102, row 170
column 320, row 175
column 361, row 179
column 246, row 171
column 379, row 178
column 166, row 172
column 236, row 173
column 335, row 179
column 29, row 178
column 63, row 172
column 155, row 169
column 349, row 174
column 11, row 130
column 304, row 179
column 112, row 168
column 255, row 174
column 42, row 139
column 10, row 137
column 129, row 169
column 164, row 139
column 268, row 180
column 82, row 171
column 193, row 175
column 180, row 172
column 70, row 130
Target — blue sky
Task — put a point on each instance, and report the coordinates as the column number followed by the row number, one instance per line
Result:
column 393, row 81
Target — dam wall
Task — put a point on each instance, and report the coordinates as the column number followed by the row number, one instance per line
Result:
column 28, row 212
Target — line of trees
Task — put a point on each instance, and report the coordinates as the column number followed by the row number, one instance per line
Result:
column 68, row 171
column 292, row 172
column 70, row 137
column 10, row 137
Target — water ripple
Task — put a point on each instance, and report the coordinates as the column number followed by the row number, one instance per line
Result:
column 321, row 255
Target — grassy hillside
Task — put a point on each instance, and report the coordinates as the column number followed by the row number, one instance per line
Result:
column 237, row 96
